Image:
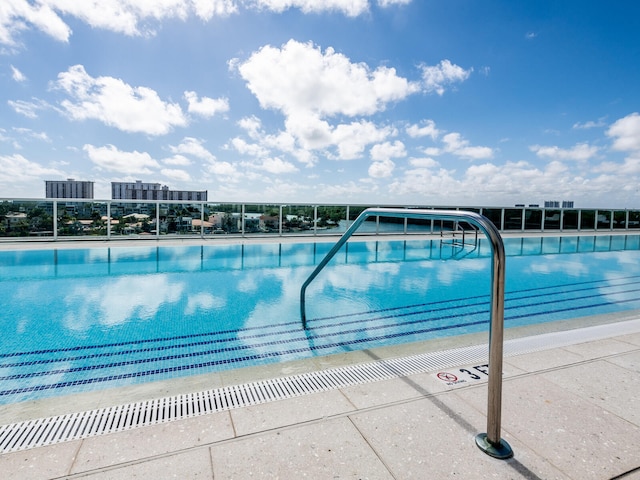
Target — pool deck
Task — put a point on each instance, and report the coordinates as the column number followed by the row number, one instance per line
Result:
column 568, row 413
column 571, row 412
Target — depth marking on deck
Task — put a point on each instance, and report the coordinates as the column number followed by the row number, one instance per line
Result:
column 464, row 375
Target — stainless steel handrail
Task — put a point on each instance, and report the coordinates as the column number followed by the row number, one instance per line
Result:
column 489, row 442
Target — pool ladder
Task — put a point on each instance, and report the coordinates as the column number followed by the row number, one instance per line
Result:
column 489, row 442
column 459, row 240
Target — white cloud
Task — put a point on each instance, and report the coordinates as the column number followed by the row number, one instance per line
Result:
column 205, row 106
column 389, row 3
column 625, row 133
column 177, row 160
column 387, row 150
column 194, row 147
column 381, row 169
column 580, row 153
column 251, row 149
column 110, row 158
column 300, row 79
column 275, row 166
column 423, row 162
column 16, row 168
column 28, row 109
column 352, row 139
column 437, row 77
column 427, row 128
column 176, row 174
column 455, row 144
column 351, row 8
column 17, row 75
column 588, row 125
column 117, row 104
column 129, row 17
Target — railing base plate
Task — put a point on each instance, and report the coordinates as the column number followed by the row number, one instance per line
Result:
column 501, row 450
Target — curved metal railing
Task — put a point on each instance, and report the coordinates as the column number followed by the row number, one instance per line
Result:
column 489, row 442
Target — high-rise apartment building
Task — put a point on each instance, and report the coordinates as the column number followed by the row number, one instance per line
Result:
column 152, row 191
column 69, row 188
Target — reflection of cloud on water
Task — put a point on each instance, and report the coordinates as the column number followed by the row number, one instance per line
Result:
column 116, row 302
column 344, row 282
column 203, row 301
column 550, row 264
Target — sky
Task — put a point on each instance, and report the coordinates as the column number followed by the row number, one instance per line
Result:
column 378, row 102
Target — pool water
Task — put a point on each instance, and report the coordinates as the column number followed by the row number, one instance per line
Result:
column 85, row 319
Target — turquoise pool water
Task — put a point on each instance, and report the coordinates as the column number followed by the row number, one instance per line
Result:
column 84, row 319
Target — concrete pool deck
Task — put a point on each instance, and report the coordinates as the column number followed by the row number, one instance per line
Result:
column 568, row 413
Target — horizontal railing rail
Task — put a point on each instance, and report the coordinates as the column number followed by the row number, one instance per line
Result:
column 490, row 442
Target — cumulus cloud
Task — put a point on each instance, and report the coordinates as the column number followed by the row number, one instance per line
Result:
column 625, row 133
column 16, row 168
column 382, row 169
column 580, row 152
column 117, row 104
column 454, row 144
column 387, row 150
column 129, row 17
column 141, row 17
column 112, row 159
column 381, row 154
column 176, row 174
column 299, row 78
column 194, row 147
column 437, row 77
column 427, row 128
column 205, row 106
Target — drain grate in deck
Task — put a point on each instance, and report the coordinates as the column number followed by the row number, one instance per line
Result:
column 51, row 430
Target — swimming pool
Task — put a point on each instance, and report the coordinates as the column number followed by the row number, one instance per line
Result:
column 75, row 320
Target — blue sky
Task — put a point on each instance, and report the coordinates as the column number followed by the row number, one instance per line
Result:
column 456, row 102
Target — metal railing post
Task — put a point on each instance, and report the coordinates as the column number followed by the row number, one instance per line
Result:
column 491, row 443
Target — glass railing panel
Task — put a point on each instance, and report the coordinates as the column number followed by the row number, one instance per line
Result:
column 136, row 219
column 181, row 219
column 26, row 218
column 587, row 219
column 619, row 219
column 570, row 219
column 603, row 220
column 77, row 218
column 513, row 218
column 552, row 219
column 418, row 225
column 532, row 219
column 495, row 215
column 223, row 218
column 261, row 219
column 332, row 219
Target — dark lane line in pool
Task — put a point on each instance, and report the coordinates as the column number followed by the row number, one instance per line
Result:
column 309, row 338
column 342, row 324
column 269, row 354
column 457, row 303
